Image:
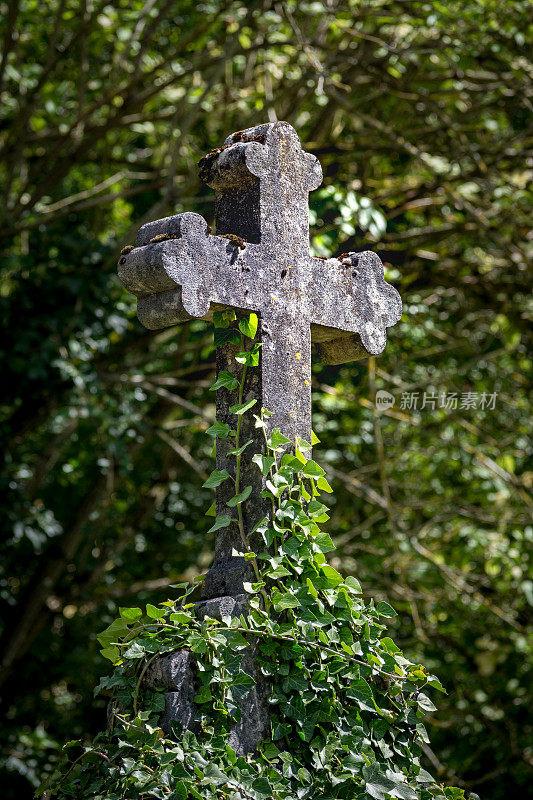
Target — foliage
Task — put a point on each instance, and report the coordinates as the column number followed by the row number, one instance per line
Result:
column 419, row 114
column 346, row 706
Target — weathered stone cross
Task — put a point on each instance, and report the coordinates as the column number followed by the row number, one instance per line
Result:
column 258, row 261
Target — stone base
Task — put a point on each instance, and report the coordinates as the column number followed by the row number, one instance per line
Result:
column 176, row 673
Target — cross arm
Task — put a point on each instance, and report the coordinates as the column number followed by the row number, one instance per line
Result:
column 351, row 307
column 179, row 271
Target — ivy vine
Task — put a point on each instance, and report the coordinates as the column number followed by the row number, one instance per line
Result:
column 346, row 707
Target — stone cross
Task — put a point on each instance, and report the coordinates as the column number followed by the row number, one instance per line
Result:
column 259, row 261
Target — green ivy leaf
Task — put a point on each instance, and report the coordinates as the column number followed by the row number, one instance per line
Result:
column 385, row 610
column 117, row 630
column 425, row 703
column 361, row 691
column 219, row 429
column 130, row 613
column 241, row 408
column 316, row 509
column 155, row 613
column 249, row 358
column 313, row 470
column 135, row 650
column 180, row 791
column 239, row 498
column 283, row 601
column 222, row 521
column 277, row 439
column 248, row 326
column 111, row 653
column 264, row 463
column 353, row 583
column 278, row 572
column 324, row 542
column 323, row 485
column 222, row 319
column 238, row 450
column 229, row 336
column 225, row 380
column 332, row 576
column 217, row 477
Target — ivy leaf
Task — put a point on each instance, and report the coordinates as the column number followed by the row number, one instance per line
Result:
column 240, row 408
column 219, row 429
column 250, row 358
column 222, row 319
column 313, row 470
column 314, row 438
column 360, row 690
column 264, row 462
column 385, row 610
column 291, row 463
column 182, row 617
column 424, row 777
column 225, row 380
column 295, row 682
column 425, row 703
column 117, row 630
column 262, row 787
column 237, row 451
column 353, row 583
column 317, row 509
column 283, row 601
column 155, row 613
column 332, row 576
column 248, row 326
column 324, row 542
column 211, row 511
column 323, row 485
column 136, row 650
column 130, row 613
column 217, row 477
column 111, row 653
column 213, row 775
column 180, row 791
column 278, row 572
column 229, row 336
column 222, row 521
column 239, row 498
column 277, row 439
column 270, row 750
column 434, row 682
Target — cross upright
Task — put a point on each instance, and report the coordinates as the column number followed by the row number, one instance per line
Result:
column 259, row 261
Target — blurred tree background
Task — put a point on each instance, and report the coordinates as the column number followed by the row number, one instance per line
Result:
column 420, row 113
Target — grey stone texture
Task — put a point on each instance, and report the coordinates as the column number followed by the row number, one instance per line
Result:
column 175, row 673
column 259, row 261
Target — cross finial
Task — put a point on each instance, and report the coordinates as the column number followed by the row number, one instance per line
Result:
column 262, row 179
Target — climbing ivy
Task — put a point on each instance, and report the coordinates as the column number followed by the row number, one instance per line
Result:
column 346, row 707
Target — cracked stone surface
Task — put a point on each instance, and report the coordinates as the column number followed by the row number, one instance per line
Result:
column 259, row 261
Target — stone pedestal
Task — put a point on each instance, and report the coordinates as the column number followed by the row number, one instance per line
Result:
column 176, row 673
